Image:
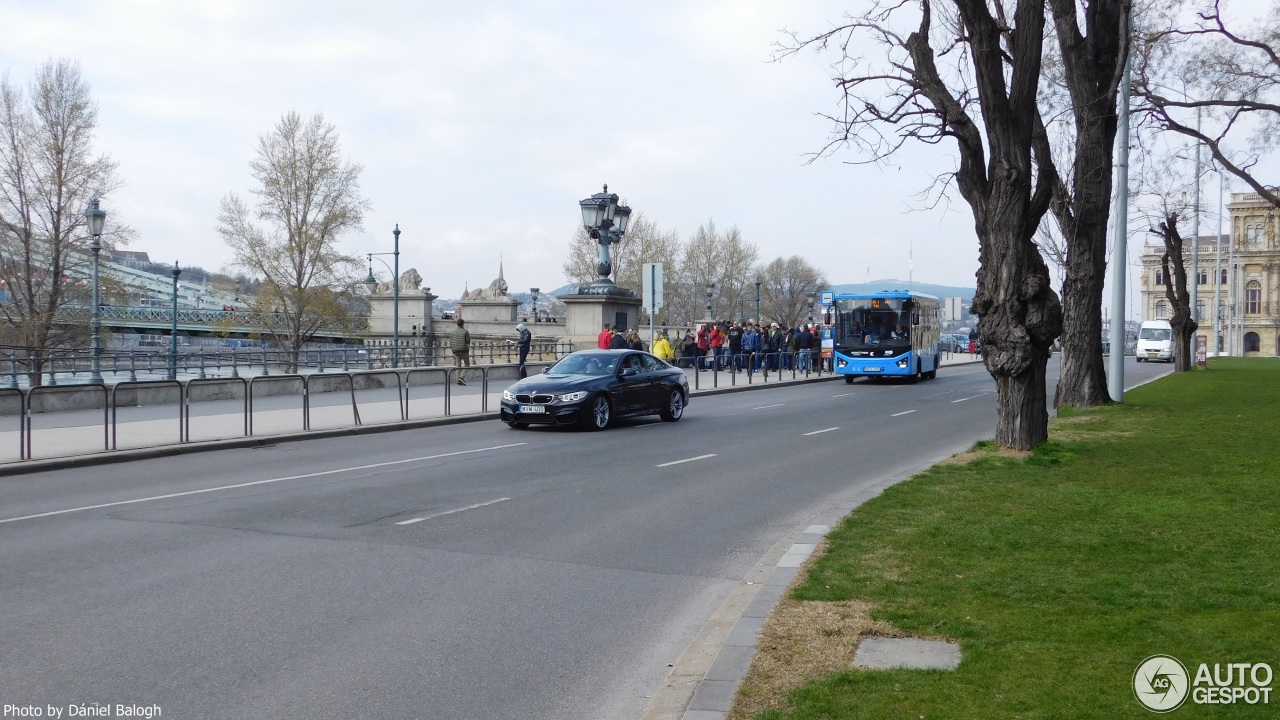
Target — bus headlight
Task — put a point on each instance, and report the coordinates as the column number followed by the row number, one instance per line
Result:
column 902, row 363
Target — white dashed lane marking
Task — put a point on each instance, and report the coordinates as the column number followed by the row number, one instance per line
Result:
column 970, row 397
column 904, row 412
column 819, row 432
column 677, row 462
column 766, row 407
column 450, row 512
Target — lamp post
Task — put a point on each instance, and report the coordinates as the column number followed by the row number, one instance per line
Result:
column 533, row 292
column 173, row 330
column 97, row 217
column 606, row 221
column 811, row 296
column 372, row 282
column 711, row 291
column 758, row 318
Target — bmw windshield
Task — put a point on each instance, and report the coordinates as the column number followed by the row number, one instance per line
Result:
column 595, row 365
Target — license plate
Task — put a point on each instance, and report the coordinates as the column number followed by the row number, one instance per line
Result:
column 531, row 409
column 872, row 369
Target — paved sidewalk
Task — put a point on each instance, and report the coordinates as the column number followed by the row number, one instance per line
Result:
column 85, row 437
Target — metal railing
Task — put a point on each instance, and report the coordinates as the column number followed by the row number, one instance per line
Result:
column 752, row 364
column 112, row 396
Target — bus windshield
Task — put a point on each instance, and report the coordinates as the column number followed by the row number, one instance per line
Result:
column 872, row 323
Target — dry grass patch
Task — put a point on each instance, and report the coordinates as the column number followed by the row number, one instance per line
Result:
column 1085, row 427
column 983, row 451
column 799, row 642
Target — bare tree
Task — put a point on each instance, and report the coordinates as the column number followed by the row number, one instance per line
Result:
column 1090, row 55
column 48, row 173
column 724, row 259
column 785, row 288
column 1230, row 72
column 1164, row 192
column 307, row 197
column 992, row 65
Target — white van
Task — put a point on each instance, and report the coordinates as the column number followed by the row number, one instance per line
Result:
column 1155, row 341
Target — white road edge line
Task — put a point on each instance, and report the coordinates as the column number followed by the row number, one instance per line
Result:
column 677, row 462
column 904, row 412
column 450, row 512
column 766, row 407
column 818, row 432
column 970, row 397
column 261, row 482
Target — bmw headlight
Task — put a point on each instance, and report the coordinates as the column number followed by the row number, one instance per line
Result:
column 508, row 395
column 573, row 396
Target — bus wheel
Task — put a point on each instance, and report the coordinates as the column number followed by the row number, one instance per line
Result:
column 848, row 379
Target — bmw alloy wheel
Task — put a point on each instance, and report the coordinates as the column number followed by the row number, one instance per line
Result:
column 600, row 413
column 675, row 407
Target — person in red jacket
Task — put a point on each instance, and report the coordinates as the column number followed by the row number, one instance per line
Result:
column 704, row 344
column 719, row 342
column 602, row 340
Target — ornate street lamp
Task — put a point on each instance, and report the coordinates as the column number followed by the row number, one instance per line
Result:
column 173, row 330
column 812, row 297
column 534, row 293
column 372, row 282
column 97, row 218
column 711, row 291
column 606, row 221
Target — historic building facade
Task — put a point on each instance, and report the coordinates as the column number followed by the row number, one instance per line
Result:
column 1246, row 286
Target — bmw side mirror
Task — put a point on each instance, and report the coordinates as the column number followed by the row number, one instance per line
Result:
column 629, row 372
column 546, row 370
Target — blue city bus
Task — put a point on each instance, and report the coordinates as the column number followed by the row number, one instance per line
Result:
column 893, row 333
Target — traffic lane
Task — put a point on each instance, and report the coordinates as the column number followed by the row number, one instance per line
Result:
column 713, row 493
column 212, row 623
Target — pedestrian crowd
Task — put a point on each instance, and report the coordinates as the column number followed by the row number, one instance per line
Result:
column 747, row 345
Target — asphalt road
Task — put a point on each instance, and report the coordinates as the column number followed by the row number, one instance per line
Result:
column 467, row 571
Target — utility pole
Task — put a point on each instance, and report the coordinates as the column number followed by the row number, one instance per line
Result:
column 1217, row 276
column 1195, row 233
column 1115, row 374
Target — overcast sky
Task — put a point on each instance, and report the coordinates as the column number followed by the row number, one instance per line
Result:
column 481, row 125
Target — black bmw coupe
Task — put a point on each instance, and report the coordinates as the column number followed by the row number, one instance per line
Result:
column 592, row 388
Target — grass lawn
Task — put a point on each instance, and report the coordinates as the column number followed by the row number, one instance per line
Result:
column 1151, row 527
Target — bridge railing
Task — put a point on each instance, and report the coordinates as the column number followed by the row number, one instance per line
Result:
column 73, row 367
column 244, row 405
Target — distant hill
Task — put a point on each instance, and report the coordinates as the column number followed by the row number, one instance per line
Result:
column 940, row 291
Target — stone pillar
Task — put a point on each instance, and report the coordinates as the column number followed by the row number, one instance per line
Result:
column 587, row 314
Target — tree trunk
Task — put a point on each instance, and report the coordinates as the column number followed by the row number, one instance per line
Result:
column 1174, row 265
column 1020, row 315
column 1082, row 380
column 1184, row 330
column 1022, row 418
column 1090, row 62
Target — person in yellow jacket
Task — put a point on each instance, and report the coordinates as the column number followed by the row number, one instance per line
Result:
column 662, row 347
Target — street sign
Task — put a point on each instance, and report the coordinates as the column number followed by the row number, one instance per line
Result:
column 652, row 293
column 828, row 297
